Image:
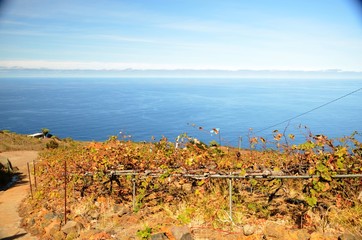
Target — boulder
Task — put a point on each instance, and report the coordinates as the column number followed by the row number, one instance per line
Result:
column 159, row 236
column 52, row 228
column 300, row 234
column 321, row 236
column 181, row 233
column 248, row 229
column 273, row 230
column 6, row 171
column 72, row 226
column 6, row 165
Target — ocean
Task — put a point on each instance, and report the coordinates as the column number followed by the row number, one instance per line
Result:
column 143, row 109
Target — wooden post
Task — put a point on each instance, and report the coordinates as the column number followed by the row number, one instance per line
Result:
column 35, row 183
column 31, row 189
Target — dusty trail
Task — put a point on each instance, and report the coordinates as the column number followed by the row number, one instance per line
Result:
column 12, row 197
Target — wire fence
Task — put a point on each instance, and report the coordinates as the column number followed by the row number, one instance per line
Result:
column 197, row 175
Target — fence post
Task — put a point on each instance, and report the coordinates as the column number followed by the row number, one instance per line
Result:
column 31, row 189
column 35, row 183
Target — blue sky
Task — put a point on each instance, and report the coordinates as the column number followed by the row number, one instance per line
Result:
column 187, row 34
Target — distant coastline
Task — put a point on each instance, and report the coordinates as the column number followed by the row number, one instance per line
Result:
column 14, row 72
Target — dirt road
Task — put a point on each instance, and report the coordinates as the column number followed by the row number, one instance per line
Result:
column 10, row 199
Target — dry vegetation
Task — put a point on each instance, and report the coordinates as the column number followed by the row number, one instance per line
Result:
column 10, row 141
column 320, row 204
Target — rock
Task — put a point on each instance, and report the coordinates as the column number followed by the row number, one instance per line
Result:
column 300, row 234
column 34, row 230
column 181, row 233
column 159, row 236
column 72, row 235
column 6, row 170
column 52, row 228
column 58, row 235
column 320, row 236
column 348, row 236
column 274, row 231
column 101, row 235
column 49, row 216
column 31, row 222
column 72, row 226
column 89, row 234
column 248, row 229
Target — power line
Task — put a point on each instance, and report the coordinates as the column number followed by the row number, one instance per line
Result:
column 304, row 113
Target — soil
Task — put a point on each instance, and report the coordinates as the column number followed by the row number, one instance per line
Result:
column 11, row 198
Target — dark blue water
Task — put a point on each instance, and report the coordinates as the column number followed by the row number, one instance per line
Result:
column 94, row 109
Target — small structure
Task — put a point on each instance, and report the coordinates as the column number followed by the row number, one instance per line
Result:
column 37, row 135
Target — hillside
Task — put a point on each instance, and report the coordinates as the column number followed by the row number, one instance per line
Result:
column 10, row 141
column 122, row 190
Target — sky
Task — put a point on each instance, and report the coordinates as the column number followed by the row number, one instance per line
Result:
column 305, row 35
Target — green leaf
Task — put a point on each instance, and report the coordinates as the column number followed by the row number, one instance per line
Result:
column 326, row 176
column 340, row 164
column 312, row 201
column 321, row 167
column 253, row 182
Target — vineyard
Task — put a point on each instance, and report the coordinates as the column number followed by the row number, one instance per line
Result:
column 316, row 186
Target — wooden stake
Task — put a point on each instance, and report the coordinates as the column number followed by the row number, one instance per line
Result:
column 31, row 189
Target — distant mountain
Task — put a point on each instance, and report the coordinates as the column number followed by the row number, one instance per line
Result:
column 332, row 73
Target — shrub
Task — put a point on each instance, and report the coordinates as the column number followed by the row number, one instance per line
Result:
column 52, row 144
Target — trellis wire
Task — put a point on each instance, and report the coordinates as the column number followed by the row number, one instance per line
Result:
column 153, row 173
column 206, row 175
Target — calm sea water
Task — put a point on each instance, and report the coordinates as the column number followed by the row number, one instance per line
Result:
column 94, row 109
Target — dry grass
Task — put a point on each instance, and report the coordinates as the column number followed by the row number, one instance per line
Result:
column 13, row 142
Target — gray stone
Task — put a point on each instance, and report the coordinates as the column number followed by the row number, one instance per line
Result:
column 72, row 226
column 6, row 165
column 181, row 233
column 248, row 229
column 49, row 216
column 159, row 236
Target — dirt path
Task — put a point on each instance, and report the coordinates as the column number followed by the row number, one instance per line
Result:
column 11, row 198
